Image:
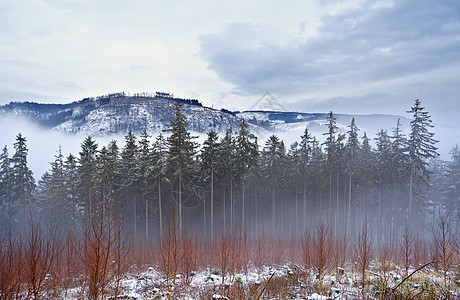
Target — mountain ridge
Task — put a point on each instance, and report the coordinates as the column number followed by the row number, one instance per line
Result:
column 119, row 112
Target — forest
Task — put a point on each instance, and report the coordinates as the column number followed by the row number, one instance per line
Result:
column 350, row 191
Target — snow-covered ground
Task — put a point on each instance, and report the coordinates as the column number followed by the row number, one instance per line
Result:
column 276, row 282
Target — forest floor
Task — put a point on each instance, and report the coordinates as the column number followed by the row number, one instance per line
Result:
column 287, row 281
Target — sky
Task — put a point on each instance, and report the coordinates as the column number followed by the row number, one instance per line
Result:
column 356, row 56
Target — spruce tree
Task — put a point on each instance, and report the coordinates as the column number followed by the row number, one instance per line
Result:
column 273, row 163
column 227, row 171
column 71, row 184
column 383, row 160
column 156, row 173
column 451, row 186
column 330, row 145
column 209, row 161
column 86, row 170
column 246, row 159
column 143, row 164
column 130, row 179
column 366, row 166
column 23, row 183
column 421, row 148
column 397, row 171
column 295, row 178
column 5, row 177
column 104, row 181
column 305, row 155
column 59, row 206
column 181, row 153
column 352, row 152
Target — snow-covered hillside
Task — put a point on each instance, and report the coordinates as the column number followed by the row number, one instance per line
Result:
column 110, row 117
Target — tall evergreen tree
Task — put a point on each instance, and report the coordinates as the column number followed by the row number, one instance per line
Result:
column 59, row 207
column 305, row 154
column 131, row 179
column 273, row 163
column 352, row 152
column 421, row 148
column 330, row 145
column 367, row 167
column 227, row 171
column 181, row 152
column 383, row 160
column 143, row 164
column 71, row 184
column 104, row 181
column 451, row 193
column 23, row 183
column 156, row 174
column 209, row 161
column 246, row 156
column 295, row 179
column 5, row 176
column 86, row 171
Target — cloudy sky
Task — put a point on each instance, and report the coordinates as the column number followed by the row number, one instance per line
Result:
column 353, row 56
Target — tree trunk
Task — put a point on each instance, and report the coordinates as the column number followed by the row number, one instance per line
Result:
column 242, row 203
column 273, row 208
column 146, row 218
column 349, row 205
column 231, row 203
column 212, row 204
column 135, row 218
column 305, row 204
column 379, row 230
column 159, row 208
column 180, row 203
column 204, row 215
column 409, row 213
column 336, row 215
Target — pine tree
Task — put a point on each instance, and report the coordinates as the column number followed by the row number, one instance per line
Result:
column 131, row 179
column 23, row 183
column 5, row 177
column 181, row 152
column 295, row 178
column 59, row 206
column 86, row 170
column 156, row 173
column 246, row 156
column 209, row 161
column 273, row 163
column 383, row 160
column 367, row 167
column 398, row 161
column 421, row 148
column 317, row 175
column 71, row 178
column 104, row 181
column 352, row 152
column 451, row 186
column 331, row 154
column 305, row 154
column 227, row 170
column 71, row 184
column 144, row 162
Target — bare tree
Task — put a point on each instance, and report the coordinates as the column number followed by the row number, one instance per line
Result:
column 443, row 246
column 406, row 247
column 322, row 250
column 363, row 253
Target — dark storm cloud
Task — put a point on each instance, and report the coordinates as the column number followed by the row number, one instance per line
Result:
column 375, row 42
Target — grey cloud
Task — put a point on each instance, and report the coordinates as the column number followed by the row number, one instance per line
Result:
column 356, row 46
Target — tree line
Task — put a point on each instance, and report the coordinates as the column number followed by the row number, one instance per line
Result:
column 231, row 181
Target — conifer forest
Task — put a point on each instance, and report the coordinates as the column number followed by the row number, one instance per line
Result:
column 349, row 217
